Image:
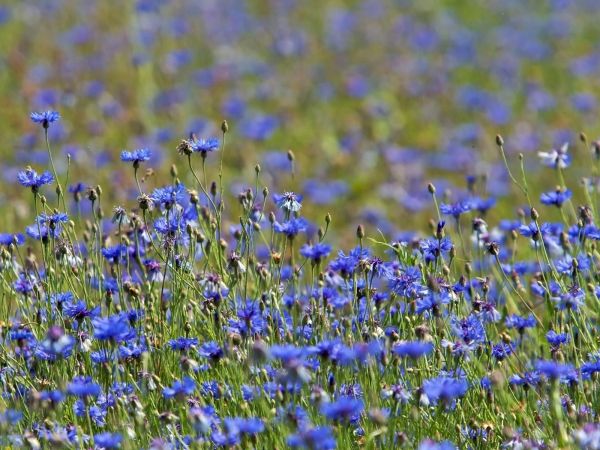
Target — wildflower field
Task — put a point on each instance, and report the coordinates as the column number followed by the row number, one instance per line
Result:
column 272, row 224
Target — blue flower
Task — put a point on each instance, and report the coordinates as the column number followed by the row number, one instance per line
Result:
column 108, row 440
column 556, row 339
column 502, row 351
column 291, row 228
column 556, row 158
column 83, row 387
column 554, row 370
column 30, row 178
column 433, row 248
column 23, row 284
column 445, row 389
column 244, row 426
column 136, row 156
column 182, row 344
column 211, row 350
column 456, row 209
column 45, row 117
column 180, row 389
column 429, row 444
column 573, row 299
column 9, row 238
column 169, row 196
column 115, row 253
column 414, row 349
column 556, row 198
column 113, row 328
column 314, row 438
column 316, row 252
column 288, row 201
column 520, row 323
column 78, row 310
column 344, row 409
column 204, row 145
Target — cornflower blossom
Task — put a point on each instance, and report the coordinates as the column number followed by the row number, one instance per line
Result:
column 30, row 178
column 136, row 156
column 45, row 118
column 556, row 198
column 288, row 201
column 556, row 158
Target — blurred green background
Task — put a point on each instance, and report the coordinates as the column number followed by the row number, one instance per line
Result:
column 376, row 98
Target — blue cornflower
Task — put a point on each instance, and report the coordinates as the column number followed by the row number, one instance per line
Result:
column 114, row 328
column 429, row 444
column 23, row 284
column 314, row 438
column 455, row 209
column 108, row 440
column 115, row 253
column 432, row 302
column 566, row 265
column 317, row 252
column 572, row 299
column 344, row 409
column 559, row 159
column 444, row 389
column 204, row 145
column 482, row 205
column 288, row 201
column 244, row 426
column 180, row 389
column 434, row 248
column 30, row 178
column 57, row 344
column 10, row 238
column 556, row 198
column 169, row 195
column 78, row 310
column 211, row 350
column 502, row 351
column 531, row 231
column 556, row 339
column 83, row 387
column 554, row 370
column 520, row 323
column 414, row 350
column 45, row 117
column 182, row 344
column 469, row 329
column 292, row 227
column 136, row 156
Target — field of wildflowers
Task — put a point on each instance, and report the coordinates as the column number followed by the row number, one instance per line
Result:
column 284, row 224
